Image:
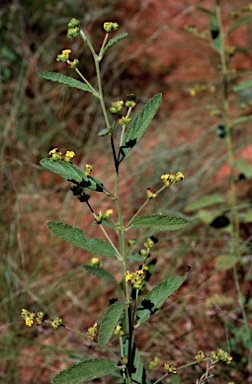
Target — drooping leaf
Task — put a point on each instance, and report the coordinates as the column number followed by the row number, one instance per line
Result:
column 84, row 371
column 157, row 296
column 136, row 363
column 205, row 201
column 76, row 237
column 138, row 375
column 99, row 272
column 239, row 23
column 109, row 322
column 140, row 124
column 243, row 85
column 63, row 79
column 113, row 41
column 160, row 222
column 70, row 172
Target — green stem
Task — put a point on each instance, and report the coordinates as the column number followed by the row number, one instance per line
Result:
column 236, row 251
column 87, row 82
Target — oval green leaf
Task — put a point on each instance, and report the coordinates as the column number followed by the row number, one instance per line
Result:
column 140, row 124
column 160, row 222
column 157, row 296
column 76, row 237
column 109, row 322
column 66, row 80
column 85, row 371
column 70, row 172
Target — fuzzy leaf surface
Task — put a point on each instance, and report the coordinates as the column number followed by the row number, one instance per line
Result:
column 160, row 222
column 63, row 79
column 76, row 237
column 175, row 379
column 138, row 376
column 99, row 272
column 140, row 124
column 109, row 322
column 157, row 296
column 113, row 41
column 84, row 371
column 70, row 172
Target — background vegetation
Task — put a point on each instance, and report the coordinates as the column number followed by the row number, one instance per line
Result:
column 40, row 272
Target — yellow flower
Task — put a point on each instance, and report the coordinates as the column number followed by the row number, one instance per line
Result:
column 70, row 154
column 128, row 276
column 53, row 151
column 66, row 52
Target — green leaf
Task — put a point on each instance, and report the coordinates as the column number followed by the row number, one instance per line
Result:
column 138, row 376
column 70, row 172
column 157, row 296
column 205, row 201
column 109, row 322
column 138, row 371
column 248, row 216
column 239, row 23
column 140, row 124
column 76, row 237
column 160, row 222
column 63, row 79
column 243, row 85
column 84, row 371
column 244, row 167
column 241, row 120
column 206, row 10
column 224, row 262
column 175, row 379
column 113, row 41
column 216, row 33
column 99, row 272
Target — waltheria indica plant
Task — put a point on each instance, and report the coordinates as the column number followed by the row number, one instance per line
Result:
column 127, row 315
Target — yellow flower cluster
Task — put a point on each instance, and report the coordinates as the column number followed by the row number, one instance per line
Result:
column 170, row 178
column 56, row 155
column 136, row 278
column 30, row 317
column 118, row 330
column 92, row 331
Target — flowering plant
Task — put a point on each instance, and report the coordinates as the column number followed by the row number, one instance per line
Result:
column 126, row 315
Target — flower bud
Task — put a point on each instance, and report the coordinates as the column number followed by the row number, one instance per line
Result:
column 150, row 194
column 56, row 323
column 109, row 26
column 73, row 28
column 124, row 120
column 92, row 331
column 117, row 107
column 89, row 169
column 170, row 368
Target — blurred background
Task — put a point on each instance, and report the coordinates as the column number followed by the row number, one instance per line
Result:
column 39, row 271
